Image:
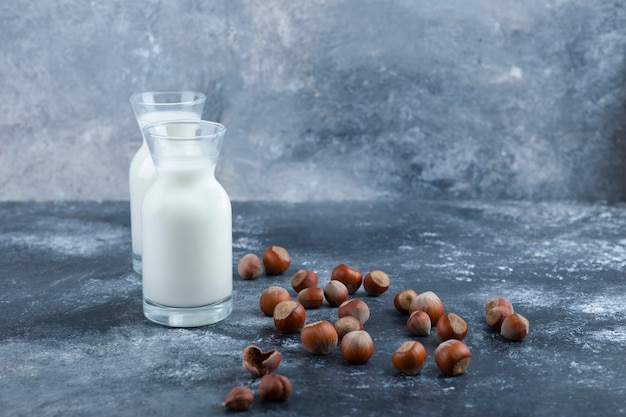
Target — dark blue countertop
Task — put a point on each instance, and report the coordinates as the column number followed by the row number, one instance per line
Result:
column 73, row 340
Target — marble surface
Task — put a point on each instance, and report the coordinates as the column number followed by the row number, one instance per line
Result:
column 323, row 99
column 73, row 340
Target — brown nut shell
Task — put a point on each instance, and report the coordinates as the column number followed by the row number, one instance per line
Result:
column 496, row 316
column 311, row 297
column 430, row 303
column 402, row 300
column 515, row 327
column 357, row 347
column 276, row 260
column 452, row 357
column 409, row 358
column 275, row 387
column 270, row 297
column 319, row 338
column 335, row 293
column 498, row 302
column 451, row 326
column 249, row 266
column 352, row 278
column 347, row 324
column 304, row 278
column 289, row 316
column 355, row 308
column 260, row 363
column 419, row 323
column 376, row 282
column 239, row 399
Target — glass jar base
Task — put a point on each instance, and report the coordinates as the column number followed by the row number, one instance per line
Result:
column 137, row 263
column 187, row 317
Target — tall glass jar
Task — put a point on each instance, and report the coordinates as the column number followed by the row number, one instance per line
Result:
column 152, row 107
column 186, row 227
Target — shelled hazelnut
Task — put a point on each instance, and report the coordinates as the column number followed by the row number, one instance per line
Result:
column 452, row 357
column 430, row 303
column 304, row 278
column 274, row 387
column 347, row 324
column 319, row 338
column 357, row 347
column 355, row 308
column 249, row 266
column 270, row 297
column 289, row 316
column 239, row 398
column 451, row 326
column 515, row 327
column 376, row 282
column 276, row 260
column 409, row 358
column 335, row 293
column 402, row 300
column 311, row 297
column 258, row 362
column 419, row 323
column 350, row 277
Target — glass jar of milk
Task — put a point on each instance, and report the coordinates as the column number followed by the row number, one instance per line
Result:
column 186, row 227
column 152, row 107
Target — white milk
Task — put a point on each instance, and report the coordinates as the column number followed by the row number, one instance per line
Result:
column 187, row 245
column 142, row 174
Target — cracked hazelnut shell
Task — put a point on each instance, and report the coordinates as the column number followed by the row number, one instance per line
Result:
column 260, row 363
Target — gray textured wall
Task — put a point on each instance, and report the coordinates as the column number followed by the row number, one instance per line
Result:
column 324, row 99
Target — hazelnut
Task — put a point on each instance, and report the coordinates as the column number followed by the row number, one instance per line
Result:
column 403, row 299
column 304, row 279
column 346, row 325
column 274, row 387
column 260, row 363
column 515, row 327
column 430, row 303
column 351, row 277
column 319, row 338
column 270, row 297
column 409, row 358
column 376, row 282
column 498, row 302
column 495, row 317
column 249, row 266
column 289, row 316
column 276, row 260
column 336, row 293
column 357, row 347
column 451, row 326
column 239, row 398
column 311, row 297
column 355, row 308
column 452, row 357
column 419, row 323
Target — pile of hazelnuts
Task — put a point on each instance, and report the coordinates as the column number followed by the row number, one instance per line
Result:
column 425, row 310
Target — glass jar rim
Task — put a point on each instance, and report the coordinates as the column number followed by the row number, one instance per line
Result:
column 218, row 129
column 197, row 97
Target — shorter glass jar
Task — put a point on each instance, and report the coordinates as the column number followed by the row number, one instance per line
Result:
column 186, row 227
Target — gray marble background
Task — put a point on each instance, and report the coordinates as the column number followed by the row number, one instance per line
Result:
column 324, row 99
